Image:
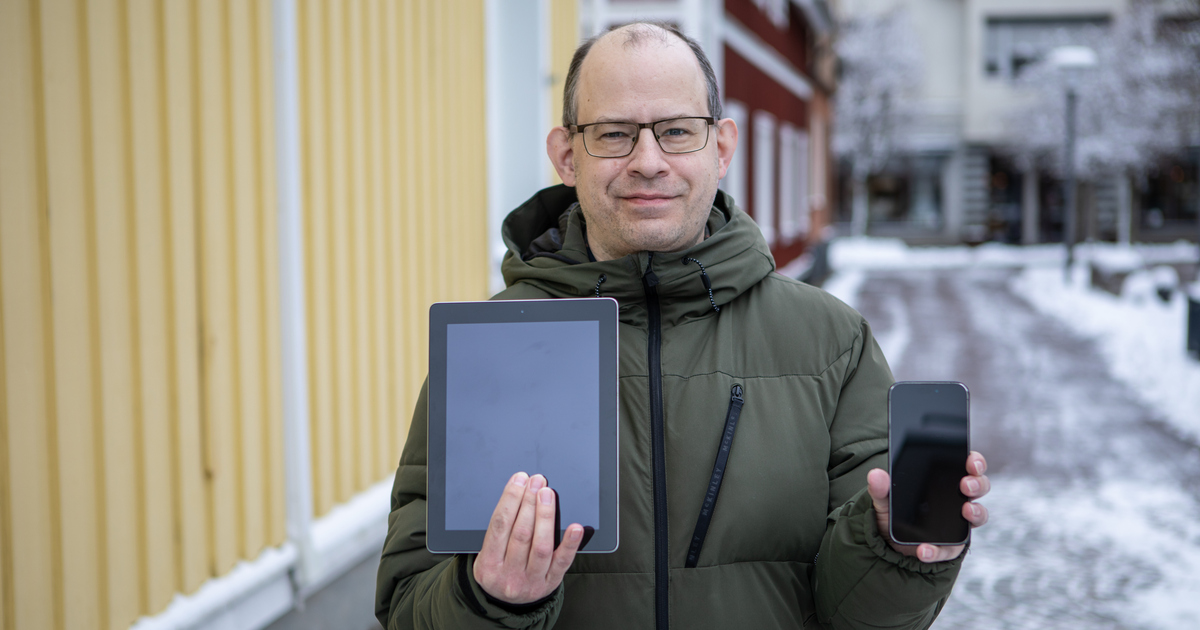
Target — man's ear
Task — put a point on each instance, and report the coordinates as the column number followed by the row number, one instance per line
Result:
column 727, row 137
column 562, row 156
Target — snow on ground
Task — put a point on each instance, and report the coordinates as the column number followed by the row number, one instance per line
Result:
column 1142, row 337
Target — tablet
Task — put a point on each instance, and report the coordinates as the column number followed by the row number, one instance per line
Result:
column 526, row 385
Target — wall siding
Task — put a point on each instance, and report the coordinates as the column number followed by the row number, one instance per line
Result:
column 141, row 448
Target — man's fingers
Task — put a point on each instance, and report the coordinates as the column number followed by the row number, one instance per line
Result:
column 976, row 464
column 975, row 486
column 521, row 537
column 975, row 513
column 937, row 553
column 565, row 554
column 495, row 543
column 878, row 486
column 542, row 548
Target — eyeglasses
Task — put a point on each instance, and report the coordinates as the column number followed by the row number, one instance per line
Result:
column 617, row 139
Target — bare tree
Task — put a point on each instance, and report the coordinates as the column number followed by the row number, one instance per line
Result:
column 881, row 67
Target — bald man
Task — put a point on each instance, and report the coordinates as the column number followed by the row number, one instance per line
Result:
column 737, row 384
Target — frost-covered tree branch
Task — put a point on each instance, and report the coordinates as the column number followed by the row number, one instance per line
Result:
column 1134, row 106
column 881, row 67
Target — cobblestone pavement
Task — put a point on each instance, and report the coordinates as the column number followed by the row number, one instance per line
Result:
column 1095, row 504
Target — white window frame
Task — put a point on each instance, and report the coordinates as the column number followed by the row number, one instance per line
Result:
column 764, row 174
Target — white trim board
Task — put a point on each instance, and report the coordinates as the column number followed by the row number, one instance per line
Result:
column 745, row 43
column 256, row 593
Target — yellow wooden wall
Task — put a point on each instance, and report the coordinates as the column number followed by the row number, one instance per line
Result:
column 395, row 215
column 140, row 429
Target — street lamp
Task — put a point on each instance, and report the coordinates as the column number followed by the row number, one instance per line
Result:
column 1071, row 60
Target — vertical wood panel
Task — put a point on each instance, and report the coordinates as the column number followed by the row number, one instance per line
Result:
column 314, row 113
column 115, row 266
column 272, row 422
column 72, row 316
column 246, row 269
column 358, row 209
column 192, row 504
column 399, row 58
column 149, row 204
column 340, row 220
column 30, row 601
column 216, row 294
column 410, row 166
column 382, row 380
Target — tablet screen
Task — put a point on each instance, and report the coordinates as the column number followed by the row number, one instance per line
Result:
column 521, row 386
column 505, row 383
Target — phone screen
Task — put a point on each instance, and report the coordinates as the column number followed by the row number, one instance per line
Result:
column 929, row 440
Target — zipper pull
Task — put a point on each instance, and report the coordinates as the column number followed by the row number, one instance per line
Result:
column 736, row 394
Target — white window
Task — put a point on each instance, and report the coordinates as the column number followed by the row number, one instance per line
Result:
column 793, row 183
column 764, row 174
column 734, row 181
column 803, row 190
column 787, row 183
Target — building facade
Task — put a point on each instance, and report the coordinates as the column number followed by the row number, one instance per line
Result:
column 951, row 179
column 222, row 223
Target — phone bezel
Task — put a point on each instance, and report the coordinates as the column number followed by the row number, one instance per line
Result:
column 891, row 453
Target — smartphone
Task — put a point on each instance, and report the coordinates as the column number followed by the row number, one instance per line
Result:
column 929, row 435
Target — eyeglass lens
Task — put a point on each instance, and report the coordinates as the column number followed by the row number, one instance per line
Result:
column 682, row 135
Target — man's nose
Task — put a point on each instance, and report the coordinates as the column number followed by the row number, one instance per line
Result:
column 647, row 159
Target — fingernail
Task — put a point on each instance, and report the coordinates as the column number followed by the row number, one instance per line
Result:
column 576, row 533
column 519, row 479
column 546, row 496
column 927, row 554
column 975, row 511
column 539, row 482
column 972, row 485
column 978, row 467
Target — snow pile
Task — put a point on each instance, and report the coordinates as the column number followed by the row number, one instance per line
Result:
column 1142, row 338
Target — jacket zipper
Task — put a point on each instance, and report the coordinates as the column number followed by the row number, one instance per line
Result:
column 654, row 349
column 718, row 475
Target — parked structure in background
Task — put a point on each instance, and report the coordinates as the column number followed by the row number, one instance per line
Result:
column 775, row 63
column 973, row 105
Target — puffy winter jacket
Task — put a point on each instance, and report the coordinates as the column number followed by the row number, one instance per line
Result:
column 792, row 540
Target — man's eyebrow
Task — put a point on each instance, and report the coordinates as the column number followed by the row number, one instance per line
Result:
column 617, row 119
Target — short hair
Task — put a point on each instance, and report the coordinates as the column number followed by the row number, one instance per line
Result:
column 635, row 37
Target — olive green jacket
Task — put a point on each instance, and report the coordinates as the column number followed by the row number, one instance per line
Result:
column 792, row 540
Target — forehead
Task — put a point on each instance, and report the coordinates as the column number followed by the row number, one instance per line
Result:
column 655, row 78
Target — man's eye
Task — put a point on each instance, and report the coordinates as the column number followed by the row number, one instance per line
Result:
column 614, row 135
column 677, row 131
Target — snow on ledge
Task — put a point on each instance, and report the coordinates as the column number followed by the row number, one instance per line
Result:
column 257, row 592
column 251, row 591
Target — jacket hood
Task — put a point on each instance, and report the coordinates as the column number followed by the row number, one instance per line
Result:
column 547, row 249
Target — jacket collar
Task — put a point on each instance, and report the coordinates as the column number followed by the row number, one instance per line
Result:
column 735, row 257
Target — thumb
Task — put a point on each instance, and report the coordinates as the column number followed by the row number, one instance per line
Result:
column 878, row 486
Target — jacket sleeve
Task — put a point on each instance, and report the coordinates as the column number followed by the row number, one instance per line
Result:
column 860, row 581
column 419, row 589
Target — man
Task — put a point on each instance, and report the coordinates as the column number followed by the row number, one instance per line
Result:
column 797, row 536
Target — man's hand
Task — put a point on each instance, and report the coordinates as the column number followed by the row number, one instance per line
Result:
column 974, row 485
column 518, row 563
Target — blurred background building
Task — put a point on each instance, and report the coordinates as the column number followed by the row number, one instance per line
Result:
column 972, row 138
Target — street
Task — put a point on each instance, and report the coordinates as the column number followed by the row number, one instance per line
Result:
column 1095, row 499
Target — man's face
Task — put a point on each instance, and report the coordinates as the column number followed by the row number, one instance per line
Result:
column 648, row 200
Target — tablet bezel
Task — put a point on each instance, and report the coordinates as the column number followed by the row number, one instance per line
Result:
column 603, row 311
